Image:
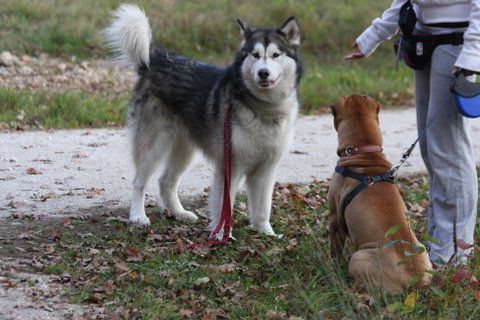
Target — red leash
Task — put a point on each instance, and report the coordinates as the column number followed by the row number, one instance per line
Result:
column 226, row 215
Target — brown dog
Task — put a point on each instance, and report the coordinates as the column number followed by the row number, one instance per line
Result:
column 376, row 209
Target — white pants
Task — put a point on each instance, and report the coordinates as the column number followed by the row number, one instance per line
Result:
column 448, row 155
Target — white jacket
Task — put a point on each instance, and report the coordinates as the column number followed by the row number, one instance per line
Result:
column 430, row 11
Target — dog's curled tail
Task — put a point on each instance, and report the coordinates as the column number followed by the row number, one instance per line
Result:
column 129, row 35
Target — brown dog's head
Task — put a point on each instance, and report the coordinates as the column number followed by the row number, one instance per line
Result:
column 356, row 121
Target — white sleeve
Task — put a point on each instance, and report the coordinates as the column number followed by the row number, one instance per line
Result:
column 382, row 28
column 469, row 57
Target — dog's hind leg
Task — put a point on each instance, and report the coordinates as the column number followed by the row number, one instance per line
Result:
column 177, row 163
column 260, row 188
column 370, row 266
column 146, row 160
column 151, row 132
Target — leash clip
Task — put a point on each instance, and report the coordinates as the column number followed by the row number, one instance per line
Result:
column 394, row 171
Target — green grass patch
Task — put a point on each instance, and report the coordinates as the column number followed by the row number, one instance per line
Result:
column 46, row 109
column 145, row 271
column 199, row 28
column 326, row 81
column 207, row 31
column 320, row 87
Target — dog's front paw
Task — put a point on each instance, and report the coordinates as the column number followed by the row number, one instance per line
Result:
column 185, row 215
column 139, row 219
column 264, row 228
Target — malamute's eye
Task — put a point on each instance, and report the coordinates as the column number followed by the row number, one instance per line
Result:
column 275, row 55
column 256, row 55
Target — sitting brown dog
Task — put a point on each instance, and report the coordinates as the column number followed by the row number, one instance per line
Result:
column 376, row 207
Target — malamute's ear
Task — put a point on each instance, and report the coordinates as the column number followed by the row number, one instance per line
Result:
column 291, row 31
column 245, row 29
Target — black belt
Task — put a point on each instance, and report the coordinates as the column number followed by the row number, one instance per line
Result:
column 454, row 38
column 451, row 25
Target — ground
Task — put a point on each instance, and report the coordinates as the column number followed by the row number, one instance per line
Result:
column 96, row 265
column 66, row 249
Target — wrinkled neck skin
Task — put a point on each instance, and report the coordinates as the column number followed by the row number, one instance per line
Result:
column 369, row 134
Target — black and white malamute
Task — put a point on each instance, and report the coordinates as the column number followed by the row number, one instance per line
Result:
column 179, row 105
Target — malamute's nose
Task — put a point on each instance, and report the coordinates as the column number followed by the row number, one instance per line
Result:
column 263, row 74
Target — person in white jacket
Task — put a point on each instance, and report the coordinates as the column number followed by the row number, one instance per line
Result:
column 446, row 148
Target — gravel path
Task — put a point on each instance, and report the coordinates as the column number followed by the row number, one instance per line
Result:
column 61, row 172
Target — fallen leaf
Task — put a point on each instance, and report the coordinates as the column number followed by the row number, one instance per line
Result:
column 201, row 281
column 460, row 275
column 107, row 287
column 186, row 313
column 94, row 251
column 463, row 245
column 56, row 235
column 227, row 268
column 67, row 222
column 11, row 283
column 96, row 298
column 411, row 299
column 31, row 170
column 121, row 267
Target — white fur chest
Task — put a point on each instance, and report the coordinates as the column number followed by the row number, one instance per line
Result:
column 263, row 138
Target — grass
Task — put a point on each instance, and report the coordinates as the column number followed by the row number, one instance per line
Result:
column 207, row 31
column 321, row 86
column 200, row 29
column 145, row 273
column 45, row 109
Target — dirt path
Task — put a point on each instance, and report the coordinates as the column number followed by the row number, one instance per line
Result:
column 60, row 172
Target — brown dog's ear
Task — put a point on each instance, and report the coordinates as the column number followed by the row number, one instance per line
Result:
column 332, row 109
column 335, row 118
column 378, row 106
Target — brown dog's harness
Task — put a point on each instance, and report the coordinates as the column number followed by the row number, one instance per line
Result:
column 366, row 181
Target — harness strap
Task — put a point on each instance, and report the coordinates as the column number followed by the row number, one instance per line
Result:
column 365, row 183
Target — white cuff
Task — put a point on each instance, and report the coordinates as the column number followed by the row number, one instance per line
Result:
column 468, row 60
column 368, row 41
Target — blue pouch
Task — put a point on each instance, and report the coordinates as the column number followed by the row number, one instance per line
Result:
column 467, row 96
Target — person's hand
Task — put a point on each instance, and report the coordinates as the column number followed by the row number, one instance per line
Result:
column 466, row 72
column 357, row 54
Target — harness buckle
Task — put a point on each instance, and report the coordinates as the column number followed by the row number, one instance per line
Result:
column 369, row 181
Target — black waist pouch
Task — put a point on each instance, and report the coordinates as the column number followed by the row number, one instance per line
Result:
column 416, row 49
